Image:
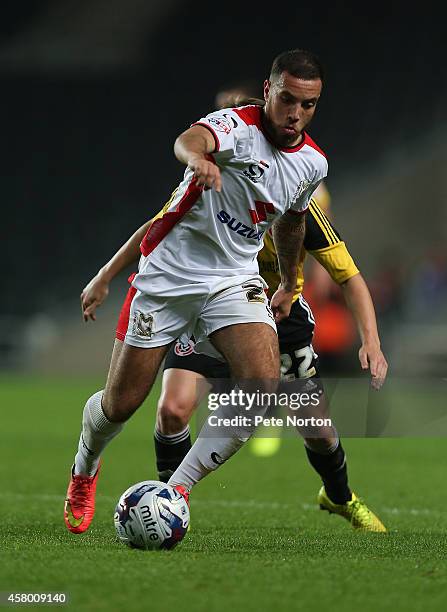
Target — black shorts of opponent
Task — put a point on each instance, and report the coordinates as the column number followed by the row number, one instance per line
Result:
column 298, row 359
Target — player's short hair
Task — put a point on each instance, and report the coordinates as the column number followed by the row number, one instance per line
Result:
column 299, row 63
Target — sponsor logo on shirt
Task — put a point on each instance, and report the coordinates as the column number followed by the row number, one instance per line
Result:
column 263, row 209
column 220, row 124
column 238, row 227
column 254, row 173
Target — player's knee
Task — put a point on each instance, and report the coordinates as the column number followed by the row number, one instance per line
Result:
column 119, row 407
column 173, row 415
column 263, row 389
column 269, row 385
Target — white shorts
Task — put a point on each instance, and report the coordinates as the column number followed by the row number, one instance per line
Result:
column 185, row 309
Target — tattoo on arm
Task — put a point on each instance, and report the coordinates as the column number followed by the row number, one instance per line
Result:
column 288, row 236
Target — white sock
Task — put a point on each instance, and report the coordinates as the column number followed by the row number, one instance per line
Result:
column 97, row 431
column 199, row 461
column 209, row 451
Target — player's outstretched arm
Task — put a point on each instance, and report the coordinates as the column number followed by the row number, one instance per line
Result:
column 192, row 148
column 288, row 236
column 359, row 301
column 97, row 290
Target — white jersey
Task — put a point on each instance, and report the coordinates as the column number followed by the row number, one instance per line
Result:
column 202, row 233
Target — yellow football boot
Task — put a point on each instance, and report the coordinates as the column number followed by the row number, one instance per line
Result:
column 355, row 511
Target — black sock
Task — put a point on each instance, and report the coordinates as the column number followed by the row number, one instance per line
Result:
column 170, row 451
column 334, row 473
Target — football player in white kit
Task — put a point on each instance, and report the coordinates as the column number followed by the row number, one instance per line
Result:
column 247, row 169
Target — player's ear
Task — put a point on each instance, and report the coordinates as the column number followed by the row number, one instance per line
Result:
column 266, row 89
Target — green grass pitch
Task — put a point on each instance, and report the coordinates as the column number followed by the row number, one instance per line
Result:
column 258, row 541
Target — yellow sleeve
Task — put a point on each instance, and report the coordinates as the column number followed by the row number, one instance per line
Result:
column 337, row 260
column 165, row 207
column 323, row 197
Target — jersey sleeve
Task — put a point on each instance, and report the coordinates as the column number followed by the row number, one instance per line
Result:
column 301, row 198
column 224, row 130
column 324, row 243
column 300, row 203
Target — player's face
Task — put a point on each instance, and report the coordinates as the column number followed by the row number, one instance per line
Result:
column 290, row 104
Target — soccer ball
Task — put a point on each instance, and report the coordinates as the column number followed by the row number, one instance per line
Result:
column 151, row 515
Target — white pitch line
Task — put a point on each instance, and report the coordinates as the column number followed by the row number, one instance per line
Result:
column 249, row 503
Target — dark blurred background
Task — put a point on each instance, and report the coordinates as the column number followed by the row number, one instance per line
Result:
column 94, row 92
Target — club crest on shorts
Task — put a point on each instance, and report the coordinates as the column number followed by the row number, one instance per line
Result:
column 143, row 324
column 254, row 293
column 182, row 350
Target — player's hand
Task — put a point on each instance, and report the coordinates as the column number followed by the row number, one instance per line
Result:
column 206, row 173
column 371, row 357
column 93, row 295
column 281, row 303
